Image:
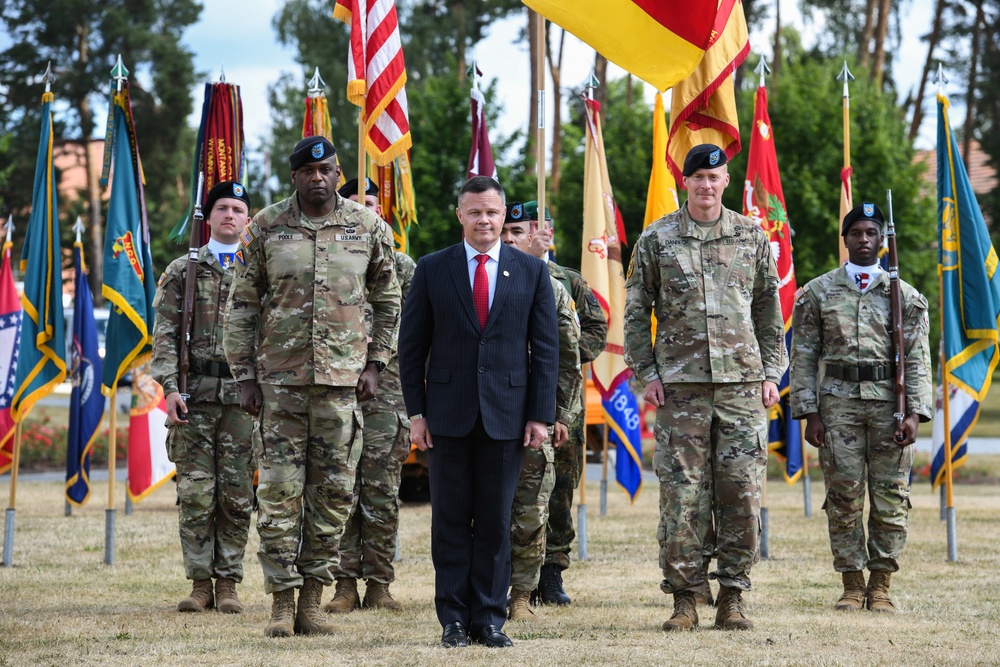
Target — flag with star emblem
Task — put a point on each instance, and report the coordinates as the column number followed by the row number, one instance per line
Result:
column 10, row 337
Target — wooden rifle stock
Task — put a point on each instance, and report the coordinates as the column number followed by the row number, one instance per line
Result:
column 190, row 281
column 896, row 308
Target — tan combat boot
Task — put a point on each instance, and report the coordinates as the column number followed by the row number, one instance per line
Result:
column 520, row 610
column 282, row 614
column 226, row 600
column 729, row 615
column 345, row 597
column 877, row 595
column 853, row 598
column 377, row 597
column 200, row 598
column 685, row 613
column 309, row 618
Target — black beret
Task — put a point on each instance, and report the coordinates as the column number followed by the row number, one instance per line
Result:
column 311, row 149
column 351, row 188
column 516, row 212
column 226, row 190
column 865, row 211
column 704, row 156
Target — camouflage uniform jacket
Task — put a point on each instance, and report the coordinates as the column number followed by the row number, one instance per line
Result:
column 389, row 395
column 834, row 322
column 211, row 293
column 593, row 324
column 296, row 311
column 715, row 296
column 569, row 386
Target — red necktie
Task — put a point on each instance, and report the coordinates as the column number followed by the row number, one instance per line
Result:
column 481, row 291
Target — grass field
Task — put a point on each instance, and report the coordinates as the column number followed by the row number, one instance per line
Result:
column 59, row 605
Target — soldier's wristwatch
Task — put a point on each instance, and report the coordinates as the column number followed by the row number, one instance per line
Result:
column 379, row 365
column 415, row 417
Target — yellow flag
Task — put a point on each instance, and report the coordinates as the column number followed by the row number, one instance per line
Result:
column 661, row 198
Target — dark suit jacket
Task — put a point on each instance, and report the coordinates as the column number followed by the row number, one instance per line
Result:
column 472, row 372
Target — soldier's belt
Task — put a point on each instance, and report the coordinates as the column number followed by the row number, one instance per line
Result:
column 217, row 369
column 861, row 373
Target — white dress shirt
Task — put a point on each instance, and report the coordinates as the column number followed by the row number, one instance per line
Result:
column 491, row 265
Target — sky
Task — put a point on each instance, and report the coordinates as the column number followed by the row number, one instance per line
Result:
column 250, row 55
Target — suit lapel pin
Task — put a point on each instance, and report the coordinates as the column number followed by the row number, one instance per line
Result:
column 506, row 274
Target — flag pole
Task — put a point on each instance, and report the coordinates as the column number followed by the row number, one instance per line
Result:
column 540, row 130
column 362, row 161
column 604, row 470
column 581, row 506
column 951, row 528
column 845, row 174
column 15, row 462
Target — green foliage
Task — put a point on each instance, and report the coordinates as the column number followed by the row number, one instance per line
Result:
column 43, row 444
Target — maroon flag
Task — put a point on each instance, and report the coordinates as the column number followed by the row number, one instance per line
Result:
column 481, row 155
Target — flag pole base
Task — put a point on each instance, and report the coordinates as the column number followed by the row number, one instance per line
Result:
column 604, row 497
column 68, row 510
column 807, row 494
column 8, row 538
column 944, row 505
column 581, row 530
column 765, row 550
column 952, row 537
column 109, row 537
column 128, row 501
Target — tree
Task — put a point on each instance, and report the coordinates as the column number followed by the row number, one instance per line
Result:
column 82, row 41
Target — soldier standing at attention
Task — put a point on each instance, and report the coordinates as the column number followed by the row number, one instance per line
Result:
column 568, row 459
column 709, row 276
column 534, row 487
column 209, row 436
column 295, row 340
column 369, row 542
column 843, row 318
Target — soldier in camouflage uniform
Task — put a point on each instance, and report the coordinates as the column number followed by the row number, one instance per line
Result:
column 209, row 436
column 568, row 459
column 295, row 340
column 369, row 542
column 843, row 319
column 708, row 275
column 530, row 513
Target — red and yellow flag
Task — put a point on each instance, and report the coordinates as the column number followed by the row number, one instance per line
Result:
column 601, row 260
column 703, row 105
column 659, row 41
column 661, row 197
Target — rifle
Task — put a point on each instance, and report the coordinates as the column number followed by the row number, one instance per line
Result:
column 190, row 281
column 896, row 310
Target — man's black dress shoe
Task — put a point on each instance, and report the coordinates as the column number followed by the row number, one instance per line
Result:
column 455, row 635
column 491, row 636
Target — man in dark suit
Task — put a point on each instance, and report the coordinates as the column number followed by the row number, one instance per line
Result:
column 476, row 397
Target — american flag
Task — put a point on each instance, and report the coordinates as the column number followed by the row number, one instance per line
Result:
column 376, row 75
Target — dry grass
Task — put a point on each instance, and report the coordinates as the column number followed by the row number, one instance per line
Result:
column 59, row 605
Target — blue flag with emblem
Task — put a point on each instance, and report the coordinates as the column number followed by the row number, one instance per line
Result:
column 622, row 414
column 86, row 403
column 40, row 366
column 128, row 267
column 970, row 286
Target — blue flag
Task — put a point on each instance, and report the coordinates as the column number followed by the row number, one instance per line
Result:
column 41, row 366
column 622, row 413
column 86, row 403
column 128, row 267
column 784, row 434
column 970, row 286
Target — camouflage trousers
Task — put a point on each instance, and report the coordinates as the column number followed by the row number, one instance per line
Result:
column 859, row 448
column 310, row 445
column 568, row 466
column 214, row 459
column 369, row 542
column 711, row 442
column 529, row 516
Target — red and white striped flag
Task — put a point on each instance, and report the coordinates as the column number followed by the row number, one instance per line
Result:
column 376, row 75
column 481, row 156
column 10, row 338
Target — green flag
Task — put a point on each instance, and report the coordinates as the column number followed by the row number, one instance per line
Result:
column 41, row 365
column 128, row 267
